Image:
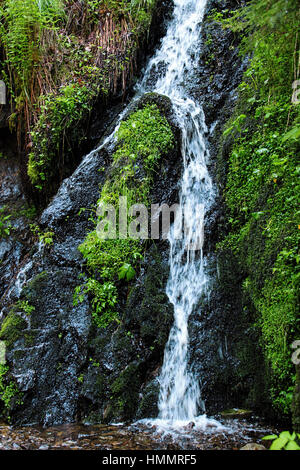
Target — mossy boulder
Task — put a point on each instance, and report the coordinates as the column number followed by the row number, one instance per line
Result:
column 12, row 328
column 130, row 353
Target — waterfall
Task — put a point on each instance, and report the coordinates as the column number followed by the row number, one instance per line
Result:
column 173, row 64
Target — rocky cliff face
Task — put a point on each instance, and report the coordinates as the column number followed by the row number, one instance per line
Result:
column 51, row 349
column 65, row 367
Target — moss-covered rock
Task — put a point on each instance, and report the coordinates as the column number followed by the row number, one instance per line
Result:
column 130, row 352
column 149, row 401
column 125, row 393
column 129, row 355
column 255, row 171
column 148, row 312
column 12, row 328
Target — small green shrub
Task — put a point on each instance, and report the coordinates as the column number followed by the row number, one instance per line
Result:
column 127, row 272
column 104, row 300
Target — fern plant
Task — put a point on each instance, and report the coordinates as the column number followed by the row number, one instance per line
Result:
column 21, row 29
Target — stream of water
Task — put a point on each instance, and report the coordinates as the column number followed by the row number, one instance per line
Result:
column 174, row 64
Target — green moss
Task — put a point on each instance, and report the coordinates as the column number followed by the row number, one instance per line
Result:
column 148, row 311
column 30, row 338
column 24, row 306
column 12, row 328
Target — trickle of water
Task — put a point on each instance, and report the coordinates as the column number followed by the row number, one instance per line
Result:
column 174, row 64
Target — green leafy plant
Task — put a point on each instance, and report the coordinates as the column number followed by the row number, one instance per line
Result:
column 46, row 238
column 80, row 378
column 8, row 391
column 146, row 133
column 5, row 224
column 285, row 441
column 236, row 125
column 104, row 300
column 127, row 272
column 60, row 114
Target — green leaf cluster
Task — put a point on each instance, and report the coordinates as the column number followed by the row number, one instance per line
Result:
column 285, row 441
column 9, row 391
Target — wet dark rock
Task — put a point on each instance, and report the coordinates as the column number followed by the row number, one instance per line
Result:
column 14, row 245
column 10, row 184
column 65, row 367
column 149, row 400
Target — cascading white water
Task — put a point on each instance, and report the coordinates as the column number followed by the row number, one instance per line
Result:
column 174, row 63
